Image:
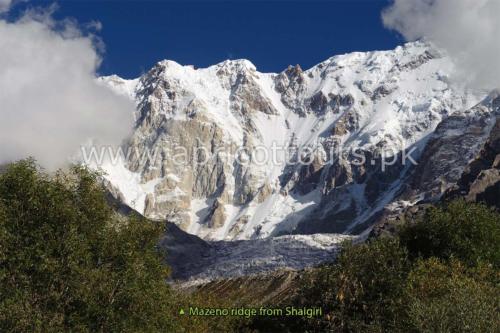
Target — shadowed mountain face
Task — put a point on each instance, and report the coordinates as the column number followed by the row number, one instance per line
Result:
column 194, row 259
column 481, row 180
column 386, row 108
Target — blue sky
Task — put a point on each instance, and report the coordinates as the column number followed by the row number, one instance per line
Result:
column 271, row 34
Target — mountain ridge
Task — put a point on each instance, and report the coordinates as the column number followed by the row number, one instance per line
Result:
column 369, row 101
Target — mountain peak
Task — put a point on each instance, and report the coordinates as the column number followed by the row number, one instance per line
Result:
column 237, row 64
column 369, row 101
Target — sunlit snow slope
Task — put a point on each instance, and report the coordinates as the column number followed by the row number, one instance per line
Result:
column 360, row 103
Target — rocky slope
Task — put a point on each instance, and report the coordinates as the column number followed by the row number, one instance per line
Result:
column 256, row 290
column 481, row 180
column 340, row 117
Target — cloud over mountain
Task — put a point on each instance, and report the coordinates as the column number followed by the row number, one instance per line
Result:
column 50, row 100
column 469, row 30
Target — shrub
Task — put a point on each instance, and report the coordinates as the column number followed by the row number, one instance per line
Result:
column 362, row 291
column 452, row 297
column 469, row 232
column 439, row 274
column 68, row 263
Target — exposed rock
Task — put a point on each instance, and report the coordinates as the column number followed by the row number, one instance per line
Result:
column 455, row 142
column 318, row 102
column 486, row 188
column 264, row 192
column 338, row 102
column 349, row 107
column 480, row 181
column 309, row 174
column 217, row 215
column 417, row 61
column 381, row 92
column 390, row 222
column 247, row 96
column 348, row 122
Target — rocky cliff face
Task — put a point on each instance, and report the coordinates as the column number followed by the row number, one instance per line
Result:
column 210, row 145
column 480, row 181
column 475, row 181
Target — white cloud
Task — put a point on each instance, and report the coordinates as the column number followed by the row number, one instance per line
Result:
column 50, row 101
column 469, row 30
column 4, row 5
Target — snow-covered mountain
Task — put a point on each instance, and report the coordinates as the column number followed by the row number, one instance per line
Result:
column 341, row 117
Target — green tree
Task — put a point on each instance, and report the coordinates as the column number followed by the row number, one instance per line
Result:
column 451, row 297
column 468, row 232
column 438, row 274
column 69, row 263
column 362, row 292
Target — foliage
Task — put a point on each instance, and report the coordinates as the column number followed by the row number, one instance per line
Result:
column 362, row 291
column 468, row 232
column 439, row 274
column 208, row 324
column 68, row 263
column 452, row 297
